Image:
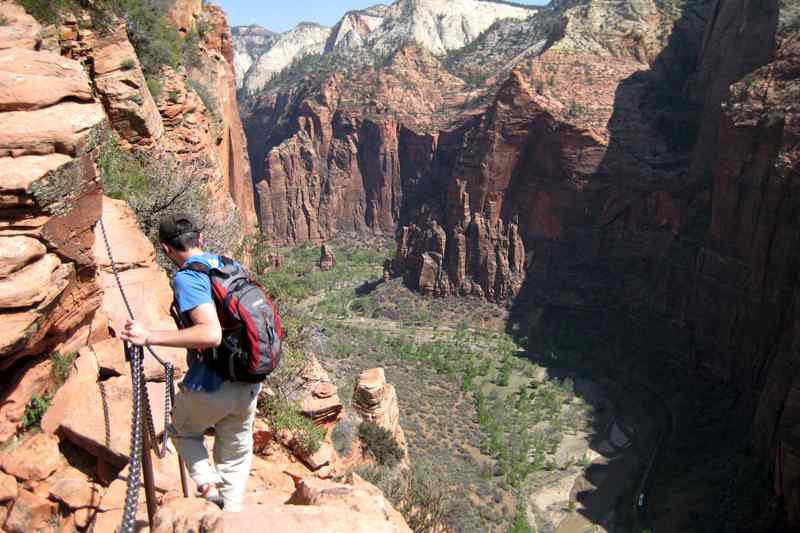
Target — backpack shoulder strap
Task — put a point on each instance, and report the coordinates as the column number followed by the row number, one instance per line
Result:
column 196, row 266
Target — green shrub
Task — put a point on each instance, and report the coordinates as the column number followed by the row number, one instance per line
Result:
column 157, row 42
column 47, row 11
column 61, row 366
column 419, row 493
column 521, row 524
column 380, row 443
column 155, row 87
column 3, row 20
column 128, row 64
column 208, row 99
column 156, row 184
column 344, row 436
column 283, row 414
column 35, row 410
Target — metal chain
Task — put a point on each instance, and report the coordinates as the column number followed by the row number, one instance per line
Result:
column 140, row 399
column 135, row 473
column 169, row 371
column 106, row 412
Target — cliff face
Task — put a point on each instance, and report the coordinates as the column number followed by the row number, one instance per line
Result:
column 633, row 155
column 65, row 90
column 493, row 158
column 61, row 309
column 50, row 201
column 194, row 117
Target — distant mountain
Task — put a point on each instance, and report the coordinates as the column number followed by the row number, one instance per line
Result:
column 440, row 26
column 250, row 43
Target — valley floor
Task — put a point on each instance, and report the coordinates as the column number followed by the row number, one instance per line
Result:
column 522, row 441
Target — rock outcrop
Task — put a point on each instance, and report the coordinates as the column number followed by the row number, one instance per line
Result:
column 194, row 117
column 634, row 156
column 327, row 259
column 50, row 198
column 375, row 400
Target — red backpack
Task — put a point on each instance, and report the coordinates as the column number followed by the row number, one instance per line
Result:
column 252, row 335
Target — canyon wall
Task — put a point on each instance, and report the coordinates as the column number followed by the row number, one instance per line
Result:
column 631, row 156
column 67, row 90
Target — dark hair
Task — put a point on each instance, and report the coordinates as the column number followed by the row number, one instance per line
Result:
column 185, row 241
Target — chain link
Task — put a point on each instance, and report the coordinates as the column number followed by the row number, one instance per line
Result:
column 140, row 403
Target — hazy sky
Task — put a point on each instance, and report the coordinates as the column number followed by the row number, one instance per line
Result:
column 281, row 15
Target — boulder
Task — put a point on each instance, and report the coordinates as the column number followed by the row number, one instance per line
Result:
column 82, row 378
column 33, row 460
column 327, row 259
column 21, row 31
column 63, row 128
column 33, row 80
column 17, row 252
column 74, row 490
column 86, row 420
column 189, row 514
column 317, row 396
column 121, row 85
column 8, row 487
column 32, row 378
column 31, row 285
column 29, row 513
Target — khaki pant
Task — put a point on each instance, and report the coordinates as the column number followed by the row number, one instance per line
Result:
column 230, row 411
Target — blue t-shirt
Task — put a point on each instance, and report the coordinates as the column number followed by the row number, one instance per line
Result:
column 191, row 290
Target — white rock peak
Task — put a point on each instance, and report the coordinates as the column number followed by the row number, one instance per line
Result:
column 438, row 25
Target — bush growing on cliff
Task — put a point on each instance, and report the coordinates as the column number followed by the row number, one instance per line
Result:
column 419, row 493
column 156, row 184
column 47, row 11
column 61, row 366
column 157, row 42
column 380, row 444
column 35, row 410
column 286, row 415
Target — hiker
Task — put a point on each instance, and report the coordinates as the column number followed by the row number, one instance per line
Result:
column 207, row 398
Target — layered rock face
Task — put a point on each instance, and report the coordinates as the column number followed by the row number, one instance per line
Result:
column 249, row 43
column 195, row 116
column 438, row 26
column 637, row 156
column 50, row 201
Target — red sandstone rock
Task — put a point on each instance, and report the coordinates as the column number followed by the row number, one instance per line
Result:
column 73, row 490
column 29, row 513
column 85, row 422
column 31, row 379
column 8, row 487
column 122, row 87
column 375, row 400
column 327, row 259
column 17, row 252
column 33, row 80
column 34, row 460
column 22, row 30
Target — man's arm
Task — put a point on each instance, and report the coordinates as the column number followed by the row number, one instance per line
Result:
column 205, row 333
